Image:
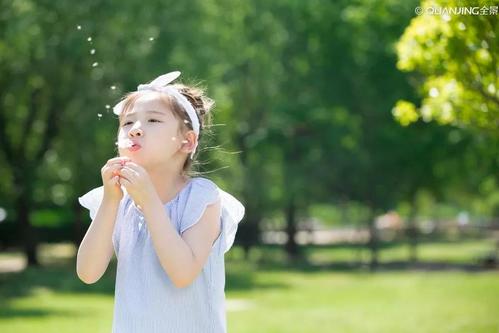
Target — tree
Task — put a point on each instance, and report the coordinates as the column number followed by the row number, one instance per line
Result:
column 455, row 58
column 32, row 97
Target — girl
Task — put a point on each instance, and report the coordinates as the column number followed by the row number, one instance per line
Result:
column 169, row 231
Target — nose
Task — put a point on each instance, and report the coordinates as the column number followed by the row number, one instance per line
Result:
column 136, row 131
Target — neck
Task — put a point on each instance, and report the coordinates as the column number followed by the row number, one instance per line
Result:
column 167, row 182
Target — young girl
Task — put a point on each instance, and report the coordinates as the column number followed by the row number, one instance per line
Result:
column 169, row 231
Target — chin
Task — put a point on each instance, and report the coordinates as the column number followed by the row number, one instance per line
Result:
column 123, row 153
column 132, row 157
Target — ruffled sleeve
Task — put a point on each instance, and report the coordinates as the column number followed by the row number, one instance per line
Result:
column 203, row 193
column 92, row 200
column 232, row 214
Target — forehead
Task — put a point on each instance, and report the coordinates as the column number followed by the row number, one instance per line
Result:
column 150, row 101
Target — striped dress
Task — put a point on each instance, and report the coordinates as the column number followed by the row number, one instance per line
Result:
column 146, row 300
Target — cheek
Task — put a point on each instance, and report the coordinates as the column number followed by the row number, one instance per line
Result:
column 121, row 133
column 170, row 130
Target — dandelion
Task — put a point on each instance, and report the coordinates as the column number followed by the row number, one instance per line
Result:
column 124, row 143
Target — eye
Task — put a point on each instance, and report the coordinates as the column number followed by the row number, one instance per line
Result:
column 126, row 123
column 154, row 120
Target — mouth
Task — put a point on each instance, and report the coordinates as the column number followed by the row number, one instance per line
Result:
column 128, row 144
column 134, row 147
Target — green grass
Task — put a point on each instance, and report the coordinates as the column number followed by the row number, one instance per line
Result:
column 268, row 296
column 363, row 302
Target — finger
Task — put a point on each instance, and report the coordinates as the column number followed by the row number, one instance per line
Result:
column 117, row 160
column 109, row 168
column 112, row 170
column 113, row 167
column 125, row 182
column 112, row 181
column 137, row 170
column 116, row 180
column 128, row 176
column 125, row 176
column 134, row 166
column 129, row 172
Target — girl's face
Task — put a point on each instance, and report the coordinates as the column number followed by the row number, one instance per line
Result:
column 149, row 133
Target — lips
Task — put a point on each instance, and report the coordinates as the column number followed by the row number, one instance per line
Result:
column 134, row 147
column 126, row 143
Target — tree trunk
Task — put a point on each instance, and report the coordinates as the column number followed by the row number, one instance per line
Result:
column 78, row 228
column 291, row 246
column 247, row 234
column 412, row 231
column 248, row 231
column 30, row 240
column 373, row 243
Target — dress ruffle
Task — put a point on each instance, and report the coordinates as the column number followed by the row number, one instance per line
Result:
column 203, row 193
column 92, row 200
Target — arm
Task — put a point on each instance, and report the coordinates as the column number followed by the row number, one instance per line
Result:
column 182, row 256
column 96, row 248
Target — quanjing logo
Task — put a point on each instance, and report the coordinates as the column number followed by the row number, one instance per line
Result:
column 485, row 10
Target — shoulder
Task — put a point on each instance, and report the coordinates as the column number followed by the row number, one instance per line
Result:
column 199, row 190
column 204, row 186
column 204, row 183
column 209, row 191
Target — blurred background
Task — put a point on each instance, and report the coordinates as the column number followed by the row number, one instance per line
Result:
column 362, row 137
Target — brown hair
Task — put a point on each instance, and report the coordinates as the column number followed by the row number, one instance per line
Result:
column 201, row 103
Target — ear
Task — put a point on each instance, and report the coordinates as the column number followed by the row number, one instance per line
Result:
column 189, row 142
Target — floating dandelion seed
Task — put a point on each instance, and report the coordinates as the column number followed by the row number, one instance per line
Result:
column 108, row 106
column 99, row 115
column 186, row 121
column 92, row 51
column 89, row 39
column 113, row 87
column 151, row 38
column 95, row 64
column 78, row 27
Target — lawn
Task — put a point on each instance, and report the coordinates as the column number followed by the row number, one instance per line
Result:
column 262, row 297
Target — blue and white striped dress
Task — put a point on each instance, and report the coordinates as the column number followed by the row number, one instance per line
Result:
column 146, row 300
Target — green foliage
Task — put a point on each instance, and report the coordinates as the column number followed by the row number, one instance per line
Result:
column 456, row 59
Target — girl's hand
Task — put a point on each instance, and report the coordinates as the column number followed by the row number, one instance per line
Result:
column 111, row 179
column 137, row 183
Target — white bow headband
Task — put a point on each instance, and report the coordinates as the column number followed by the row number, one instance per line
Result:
column 160, row 84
